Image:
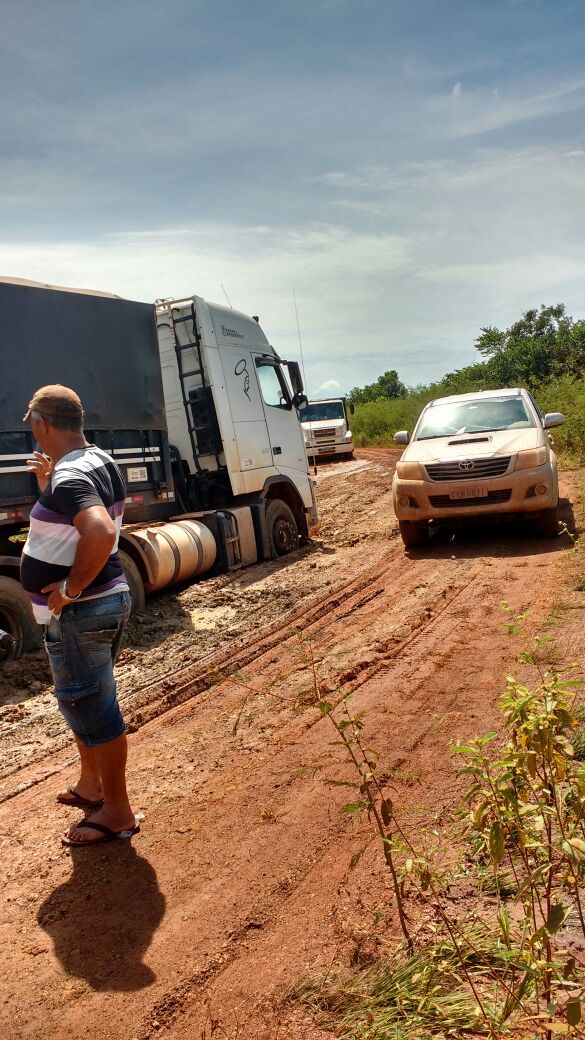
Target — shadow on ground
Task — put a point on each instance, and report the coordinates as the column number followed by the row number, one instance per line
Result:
column 102, row 919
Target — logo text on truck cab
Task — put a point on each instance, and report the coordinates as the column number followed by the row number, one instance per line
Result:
column 231, row 332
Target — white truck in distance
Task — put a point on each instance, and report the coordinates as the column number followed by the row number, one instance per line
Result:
column 195, row 406
column 326, row 427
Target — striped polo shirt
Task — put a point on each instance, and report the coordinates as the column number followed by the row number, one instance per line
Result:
column 84, row 477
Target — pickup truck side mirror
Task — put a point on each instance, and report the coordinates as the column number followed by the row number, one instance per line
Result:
column 553, row 419
column 296, row 378
column 300, row 401
column 402, row 437
column 351, row 408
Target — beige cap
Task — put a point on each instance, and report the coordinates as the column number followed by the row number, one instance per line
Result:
column 55, row 401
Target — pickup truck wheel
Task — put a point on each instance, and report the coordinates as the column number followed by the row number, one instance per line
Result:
column 134, row 580
column 414, row 533
column 16, row 617
column 547, row 525
column 281, row 527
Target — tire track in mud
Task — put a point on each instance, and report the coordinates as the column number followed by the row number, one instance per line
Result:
column 154, row 699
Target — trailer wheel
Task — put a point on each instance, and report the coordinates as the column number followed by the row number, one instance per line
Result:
column 281, row 527
column 16, row 616
column 134, row 580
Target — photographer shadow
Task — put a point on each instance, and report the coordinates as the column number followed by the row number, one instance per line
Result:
column 102, row 919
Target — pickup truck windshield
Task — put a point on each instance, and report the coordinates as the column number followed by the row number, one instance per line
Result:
column 320, row 411
column 475, row 416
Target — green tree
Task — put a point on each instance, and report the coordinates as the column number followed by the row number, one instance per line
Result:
column 544, row 343
column 387, row 386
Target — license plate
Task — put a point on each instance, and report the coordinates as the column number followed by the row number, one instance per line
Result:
column 469, row 492
column 137, row 474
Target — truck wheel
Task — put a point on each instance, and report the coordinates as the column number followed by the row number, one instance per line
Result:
column 414, row 533
column 281, row 528
column 16, row 616
column 134, row 580
column 547, row 525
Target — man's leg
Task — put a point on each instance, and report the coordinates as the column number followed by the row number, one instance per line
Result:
column 89, row 784
column 116, row 812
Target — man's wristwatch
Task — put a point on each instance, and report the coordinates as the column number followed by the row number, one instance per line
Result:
column 65, row 595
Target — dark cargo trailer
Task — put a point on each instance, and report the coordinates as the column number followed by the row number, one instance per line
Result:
column 105, row 348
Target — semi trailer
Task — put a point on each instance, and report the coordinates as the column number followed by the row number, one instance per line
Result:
column 195, row 406
column 326, row 427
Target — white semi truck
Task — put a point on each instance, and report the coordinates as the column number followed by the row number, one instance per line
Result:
column 326, row 427
column 193, row 403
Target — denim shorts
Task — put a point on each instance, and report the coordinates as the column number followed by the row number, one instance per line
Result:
column 82, row 644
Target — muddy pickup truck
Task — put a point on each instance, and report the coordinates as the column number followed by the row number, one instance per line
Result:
column 478, row 456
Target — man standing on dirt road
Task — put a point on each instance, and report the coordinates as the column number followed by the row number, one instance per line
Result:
column 71, row 571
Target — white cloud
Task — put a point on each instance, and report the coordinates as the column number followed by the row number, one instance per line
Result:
column 330, row 384
column 483, row 110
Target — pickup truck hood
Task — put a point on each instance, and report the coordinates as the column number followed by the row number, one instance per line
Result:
column 473, row 445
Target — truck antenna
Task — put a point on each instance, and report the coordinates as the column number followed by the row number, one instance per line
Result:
column 299, row 334
column 226, row 295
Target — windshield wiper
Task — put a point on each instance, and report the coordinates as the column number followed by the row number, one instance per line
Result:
column 433, row 436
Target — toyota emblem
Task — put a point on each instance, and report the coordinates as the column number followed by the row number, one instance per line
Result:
column 466, row 465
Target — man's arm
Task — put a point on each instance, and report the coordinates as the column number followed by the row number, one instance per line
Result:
column 97, row 537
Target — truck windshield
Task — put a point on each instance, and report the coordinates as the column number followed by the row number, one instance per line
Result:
column 475, row 416
column 319, row 411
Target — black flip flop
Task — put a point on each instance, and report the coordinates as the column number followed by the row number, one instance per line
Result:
column 78, row 801
column 109, row 835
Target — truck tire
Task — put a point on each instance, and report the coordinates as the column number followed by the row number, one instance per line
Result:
column 414, row 533
column 547, row 525
column 135, row 582
column 281, row 528
column 16, row 616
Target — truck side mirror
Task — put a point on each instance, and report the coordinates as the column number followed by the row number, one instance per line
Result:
column 402, row 437
column 300, row 401
column 296, row 378
column 553, row 419
column 351, row 408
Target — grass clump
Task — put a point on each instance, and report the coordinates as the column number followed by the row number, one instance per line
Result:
column 425, row 994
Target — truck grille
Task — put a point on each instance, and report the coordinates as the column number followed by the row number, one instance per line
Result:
column 320, row 434
column 468, row 469
column 440, row 501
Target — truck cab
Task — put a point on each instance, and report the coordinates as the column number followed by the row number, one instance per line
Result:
column 232, row 407
column 326, row 427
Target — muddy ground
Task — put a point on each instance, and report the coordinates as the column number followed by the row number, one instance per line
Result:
column 241, row 882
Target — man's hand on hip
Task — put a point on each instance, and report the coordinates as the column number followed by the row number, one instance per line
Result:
column 55, row 600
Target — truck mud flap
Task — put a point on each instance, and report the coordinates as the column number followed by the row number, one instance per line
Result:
column 258, row 510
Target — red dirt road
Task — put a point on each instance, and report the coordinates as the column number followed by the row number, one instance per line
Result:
column 240, row 881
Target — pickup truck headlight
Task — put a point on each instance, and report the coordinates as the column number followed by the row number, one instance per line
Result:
column 531, row 458
column 409, row 471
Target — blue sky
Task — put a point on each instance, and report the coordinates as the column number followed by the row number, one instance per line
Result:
column 415, row 169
